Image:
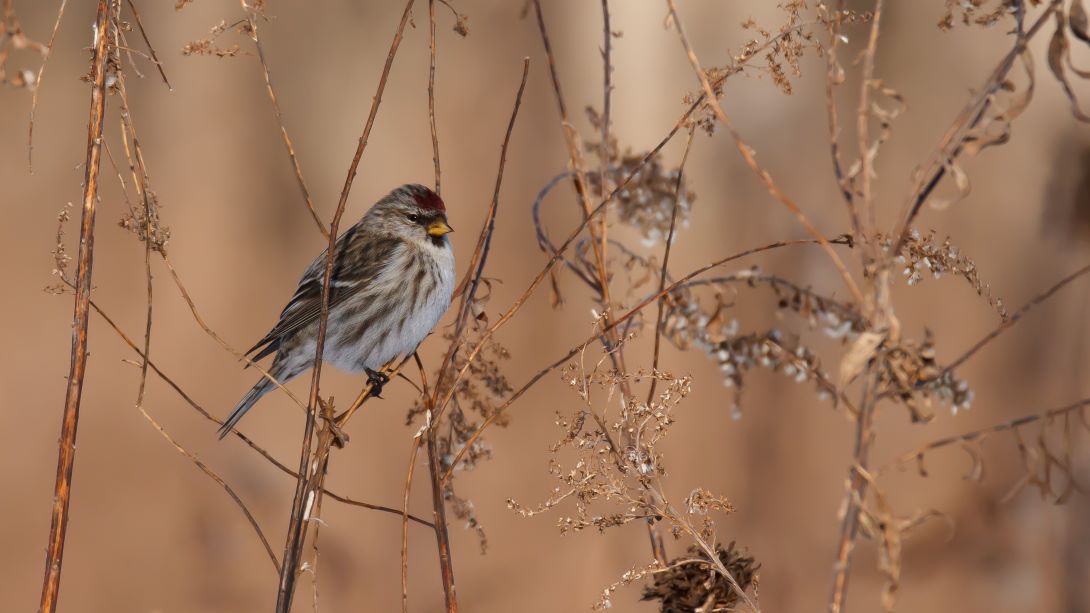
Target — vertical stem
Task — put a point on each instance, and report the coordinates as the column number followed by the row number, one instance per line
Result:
column 293, row 547
column 67, row 452
column 431, row 93
column 439, row 518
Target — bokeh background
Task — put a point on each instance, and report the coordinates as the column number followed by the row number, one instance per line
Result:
column 149, row 532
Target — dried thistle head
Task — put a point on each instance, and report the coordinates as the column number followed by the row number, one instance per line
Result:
column 691, row 583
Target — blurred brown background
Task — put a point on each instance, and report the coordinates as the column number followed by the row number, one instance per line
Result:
column 149, row 532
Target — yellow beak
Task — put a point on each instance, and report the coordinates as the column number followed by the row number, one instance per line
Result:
column 438, row 229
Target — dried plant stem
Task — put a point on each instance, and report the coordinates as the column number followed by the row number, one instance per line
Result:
column 252, row 22
column 252, row 445
column 480, row 253
column 439, row 518
column 431, row 96
column 834, row 76
column 751, row 161
column 67, row 449
column 38, row 86
column 219, row 481
column 969, row 117
column 879, row 311
column 857, row 484
column 866, row 155
column 417, row 440
column 607, row 98
column 664, row 273
column 147, row 41
column 1014, row 318
column 297, row 524
column 976, row 435
column 594, row 228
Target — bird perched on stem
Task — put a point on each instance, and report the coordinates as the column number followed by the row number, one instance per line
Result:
column 393, row 276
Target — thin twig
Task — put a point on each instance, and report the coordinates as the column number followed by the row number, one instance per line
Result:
column 969, row 117
column 439, row 518
column 1013, row 319
column 219, row 480
column 751, row 160
column 67, row 448
column 664, row 273
column 147, row 41
column 484, row 242
column 252, row 21
column 431, row 95
column 880, row 311
column 252, row 445
column 297, row 524
column 38, row 86
column 918, row 454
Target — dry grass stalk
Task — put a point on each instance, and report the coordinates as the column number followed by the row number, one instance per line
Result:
column 67, row 453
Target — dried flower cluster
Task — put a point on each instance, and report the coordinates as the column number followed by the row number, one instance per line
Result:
column 985, row 13
column 687, row 323
column 923, row 256
column 612, row 461
column 136, row 220
column 910, row 374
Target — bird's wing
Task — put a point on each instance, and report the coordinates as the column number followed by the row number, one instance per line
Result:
column 356, row 265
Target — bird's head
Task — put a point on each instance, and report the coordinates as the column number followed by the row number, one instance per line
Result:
column 415, row 213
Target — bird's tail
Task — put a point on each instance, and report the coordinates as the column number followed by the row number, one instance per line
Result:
column 259, row 389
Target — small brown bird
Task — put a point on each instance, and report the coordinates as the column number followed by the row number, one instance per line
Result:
column 393, row 276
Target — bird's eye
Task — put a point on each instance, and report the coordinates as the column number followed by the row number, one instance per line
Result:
column 414, row 218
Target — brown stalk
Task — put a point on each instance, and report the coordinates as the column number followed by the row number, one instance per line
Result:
column 219, row 481
column 252, row 22
column 1014, row 318
column 480, row 253
column 880, row 312
column 751, row 161
column 970, row 116
column 664, row 273
column 297, row 524
column 216, row 337
column 252, row 445
column 38, row 86
column 607, row 97
column 977, row 435
column 439, row 518
column 147, row 41
column 67, row 449
column 434, row 412
column 866, row 159
column 431, row 94
column 833, row 76
column 405, row 524
column 570, row 138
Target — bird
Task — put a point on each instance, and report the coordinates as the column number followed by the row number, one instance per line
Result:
column 393, row 278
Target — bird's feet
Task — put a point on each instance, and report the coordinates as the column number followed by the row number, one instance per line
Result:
column 377, row 381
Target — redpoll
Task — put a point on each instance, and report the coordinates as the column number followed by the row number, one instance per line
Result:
column 393, row 276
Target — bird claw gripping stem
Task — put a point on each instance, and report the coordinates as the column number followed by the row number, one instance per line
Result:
column 377, row 380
